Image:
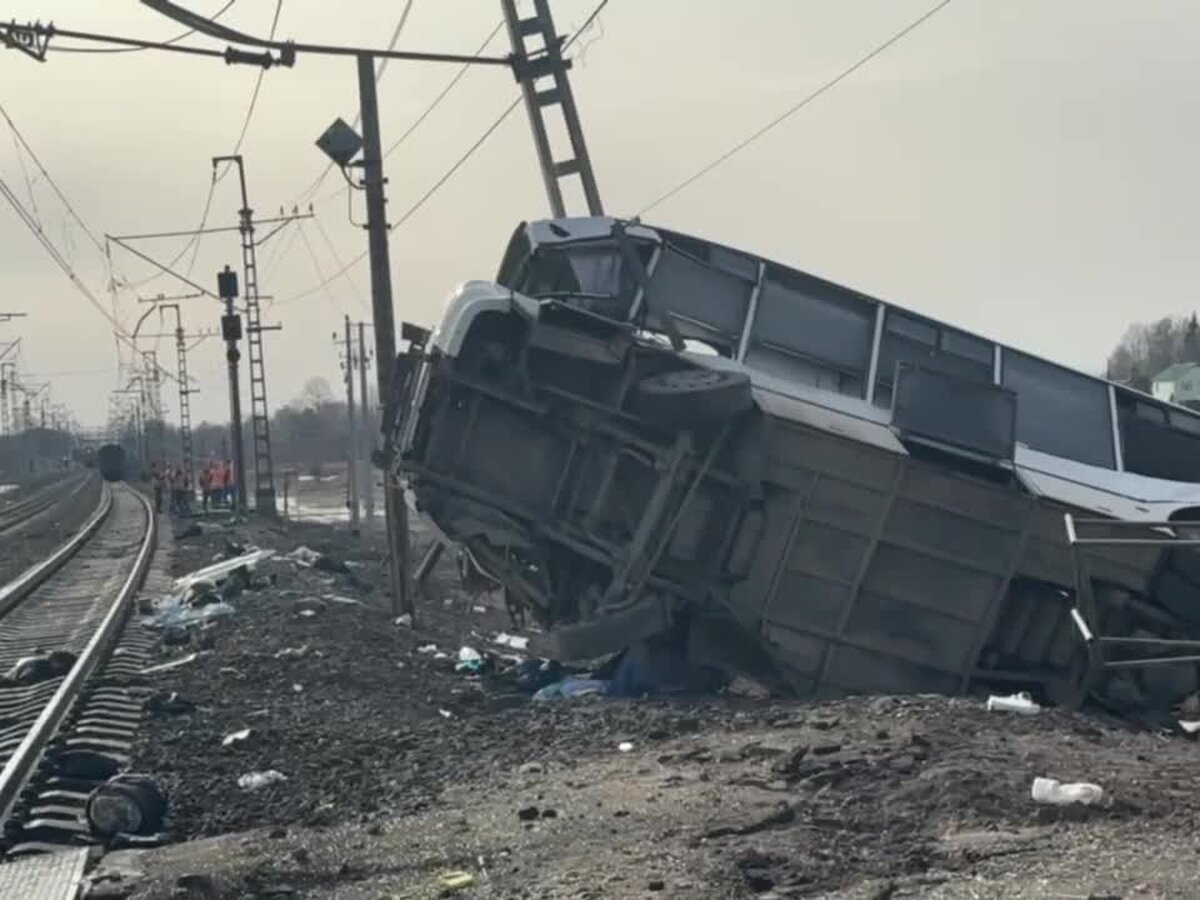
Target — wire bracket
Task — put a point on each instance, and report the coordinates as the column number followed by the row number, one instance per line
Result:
column 33, row 40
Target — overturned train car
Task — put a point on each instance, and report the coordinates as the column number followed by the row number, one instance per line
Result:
column 643, row 435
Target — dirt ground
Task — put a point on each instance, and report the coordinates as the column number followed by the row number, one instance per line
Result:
column 401, row 772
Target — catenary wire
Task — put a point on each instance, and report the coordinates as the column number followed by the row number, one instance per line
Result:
column 26, row 217
column 167, row 43
column 450, row 85
column 193, row 243
column 458, row 164
column 312, row 255
column 258, row 81
column 792, row 110
column 308, row 192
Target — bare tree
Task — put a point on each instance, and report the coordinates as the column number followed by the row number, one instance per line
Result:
column 315, row 394
column 1148, row 348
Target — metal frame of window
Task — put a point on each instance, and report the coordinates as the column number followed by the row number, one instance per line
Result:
column 870, row 377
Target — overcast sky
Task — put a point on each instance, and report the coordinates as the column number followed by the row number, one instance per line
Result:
column 1024, row 168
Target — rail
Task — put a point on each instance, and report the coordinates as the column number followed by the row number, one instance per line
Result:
column 28, row 581
column 1085, row 612
column 43, row 499
column 25, row 758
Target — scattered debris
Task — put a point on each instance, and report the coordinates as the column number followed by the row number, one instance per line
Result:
column 219, row 571
column 404, row 621
column 456, row 881
column 127, row 804
column 41, row 667
column 253, row 781
column 570, row 688
column 175, row 663
column 292, row 652
column 515, row 641
column 235, row 737
column 168, row 704
column 1018, row 703
column 1055, row 793
column 308, row 607
column 303, row 556
column 742, row 686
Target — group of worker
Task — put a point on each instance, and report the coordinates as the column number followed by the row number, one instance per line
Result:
column 175, row 482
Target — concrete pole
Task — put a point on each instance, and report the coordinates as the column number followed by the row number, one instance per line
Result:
column 395, row 509
column 366, row 481
column 235, row 411
column 352, row 468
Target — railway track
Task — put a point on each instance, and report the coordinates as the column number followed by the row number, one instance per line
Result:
column 68, row 731
column 14, row 515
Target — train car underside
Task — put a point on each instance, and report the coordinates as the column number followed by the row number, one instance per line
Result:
column 622, row 493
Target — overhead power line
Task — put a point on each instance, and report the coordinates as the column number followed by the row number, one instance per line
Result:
column 193, row 244
column 458, row 164
column 325, row 282
column 383, row 63
column 316, row 185
column 167, row 43
column 791, row 111
column 450, row 85
column 337, row 259
column 49, row 180
column 253, row 96
column 27, row 218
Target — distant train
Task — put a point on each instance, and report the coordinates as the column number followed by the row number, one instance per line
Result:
column 110, row 460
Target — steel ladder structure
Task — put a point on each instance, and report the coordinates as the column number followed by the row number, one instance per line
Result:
column 541, row 71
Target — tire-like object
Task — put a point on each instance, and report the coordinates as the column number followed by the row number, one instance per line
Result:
column 686, row 397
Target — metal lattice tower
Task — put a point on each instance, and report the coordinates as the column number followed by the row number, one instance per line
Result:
column 185, row 408
column 5, row 419
column 260, row 416
column 542, row 72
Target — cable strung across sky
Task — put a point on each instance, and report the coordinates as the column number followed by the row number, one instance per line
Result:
column 788, row 113
column 458, row 163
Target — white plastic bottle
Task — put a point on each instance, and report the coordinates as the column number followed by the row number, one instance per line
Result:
column 1055, row 793
column 1017, row 703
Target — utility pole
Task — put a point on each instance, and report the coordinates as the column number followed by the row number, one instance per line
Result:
column 336, row 146
column 260, row 417
column 395, row 507
column 352, row 469
column 231, row 331
column 366, row 480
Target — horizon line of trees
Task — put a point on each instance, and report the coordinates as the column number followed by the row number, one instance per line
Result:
column 1148, row 348
column 308, row 432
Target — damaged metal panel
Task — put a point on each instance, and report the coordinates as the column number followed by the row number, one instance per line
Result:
column 902, row 535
